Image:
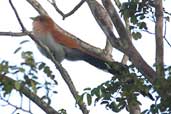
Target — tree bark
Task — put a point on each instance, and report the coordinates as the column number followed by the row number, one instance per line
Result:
column 126, row 45
column 159, row 37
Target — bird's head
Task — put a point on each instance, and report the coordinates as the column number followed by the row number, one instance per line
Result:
column 42, row 24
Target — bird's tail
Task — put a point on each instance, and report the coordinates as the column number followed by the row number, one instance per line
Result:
column 98, row 63
column 75, row 54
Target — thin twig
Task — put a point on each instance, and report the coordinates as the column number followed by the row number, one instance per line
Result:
column 165, row 34
column 148, row 32
column 14, row 33
column 15, row 106
column 17, row 16
column 53, row 3
column 167, row 41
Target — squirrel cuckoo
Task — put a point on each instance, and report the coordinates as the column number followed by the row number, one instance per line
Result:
column 61, row 45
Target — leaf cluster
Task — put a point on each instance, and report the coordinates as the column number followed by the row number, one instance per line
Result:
column 136, row 11
column 123, row 89
column 27, row 73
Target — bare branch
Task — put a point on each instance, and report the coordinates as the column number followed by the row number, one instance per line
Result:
column 17, row 16
column 104, row 21
column 125, row 57
column 14, row 33
column 165, row 29
column 108, row 49
column 53, row 3
column 15, row 106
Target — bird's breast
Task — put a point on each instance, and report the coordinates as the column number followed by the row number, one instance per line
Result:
column 56, row 48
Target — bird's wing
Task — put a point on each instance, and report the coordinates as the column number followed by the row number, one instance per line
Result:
column 65, row 40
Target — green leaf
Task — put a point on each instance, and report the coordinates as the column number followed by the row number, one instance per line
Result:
column 167, row 18
column 47, row 71
column 33, row 85
column 104, row 102
column 134, row 20
column 142, row 25
column 21, row 70
column 17, row 85
column 41, row 66
column 55, row 92
column 96, row 92
column 24, row 41
column 114, row 107
column 89, row 99
column 17, row 50
column 79, row 98
column 136, row 35
column 87, row 89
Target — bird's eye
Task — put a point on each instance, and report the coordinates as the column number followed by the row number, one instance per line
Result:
column 42, row 18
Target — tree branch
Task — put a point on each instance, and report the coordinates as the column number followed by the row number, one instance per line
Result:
column 37, row 6
column 53, row 3
column 159, row 37
column 37, row 100
column 64, row 75
column 17, row 16
column 102, row 18
column 14, row 33
column 133, row 108
column 127, row 46
column 15, row 106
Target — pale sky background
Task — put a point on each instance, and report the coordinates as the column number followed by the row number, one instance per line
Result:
column 83, row 25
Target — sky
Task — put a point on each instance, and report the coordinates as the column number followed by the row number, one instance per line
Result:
column 83, row 25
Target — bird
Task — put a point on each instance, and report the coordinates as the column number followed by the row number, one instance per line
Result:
column 61, row 45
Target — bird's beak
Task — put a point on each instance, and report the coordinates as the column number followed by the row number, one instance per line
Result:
column 32, row 18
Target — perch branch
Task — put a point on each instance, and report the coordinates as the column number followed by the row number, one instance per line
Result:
column 14, row 33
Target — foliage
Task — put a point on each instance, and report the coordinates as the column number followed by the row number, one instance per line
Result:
column 62, row 111
column 27, row 74
column 126, row 85
column 116, row 94
column 123, row 86
column 138, row 12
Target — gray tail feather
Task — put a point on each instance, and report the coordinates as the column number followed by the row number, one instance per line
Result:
column 98, row 63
